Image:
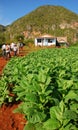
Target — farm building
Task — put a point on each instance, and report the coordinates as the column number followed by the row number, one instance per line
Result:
column 48, row 40
column 45, row 40
column 62, row 41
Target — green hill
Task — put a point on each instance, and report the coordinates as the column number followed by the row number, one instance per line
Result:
column 54, row 20
column 2, row 30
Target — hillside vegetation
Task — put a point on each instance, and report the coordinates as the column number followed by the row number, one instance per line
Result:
column 54, row 20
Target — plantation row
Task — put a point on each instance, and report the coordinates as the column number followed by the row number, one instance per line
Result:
column 46, row 81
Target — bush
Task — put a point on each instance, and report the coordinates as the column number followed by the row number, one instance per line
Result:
column 29, row 41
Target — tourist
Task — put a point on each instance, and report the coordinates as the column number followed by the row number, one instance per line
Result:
column 15, row 49
column 4, row 50
column 8, row 55
column 12, row 46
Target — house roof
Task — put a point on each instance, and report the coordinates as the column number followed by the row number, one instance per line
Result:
column 46, row 36
column 62, row 39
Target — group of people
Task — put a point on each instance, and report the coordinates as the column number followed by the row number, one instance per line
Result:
column 7, row 50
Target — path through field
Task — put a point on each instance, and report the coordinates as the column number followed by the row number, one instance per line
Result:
column 2, row 64
column 8, row 119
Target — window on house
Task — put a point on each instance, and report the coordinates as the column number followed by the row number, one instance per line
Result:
column 38, row 40
column 50, row 40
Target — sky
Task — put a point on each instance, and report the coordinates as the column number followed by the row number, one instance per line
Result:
column 11, row 10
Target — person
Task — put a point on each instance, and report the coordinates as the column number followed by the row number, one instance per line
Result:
column 12, row 46
column 4, row 50
column 8, row 55
column 21, row 46
column 15, row 49
column 18, row 46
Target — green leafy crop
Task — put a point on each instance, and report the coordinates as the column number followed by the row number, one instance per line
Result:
column 46, row 82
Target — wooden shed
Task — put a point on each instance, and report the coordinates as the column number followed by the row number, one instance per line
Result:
column 62, row 41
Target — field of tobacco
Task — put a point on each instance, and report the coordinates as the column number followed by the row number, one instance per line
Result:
column 46, row 84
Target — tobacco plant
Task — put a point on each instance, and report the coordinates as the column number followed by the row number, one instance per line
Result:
column 46, row 82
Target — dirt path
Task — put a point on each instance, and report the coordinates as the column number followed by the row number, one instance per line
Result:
column 2, row 64
column 8, row 119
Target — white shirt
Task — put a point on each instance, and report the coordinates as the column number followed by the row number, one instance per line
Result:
column 3, row 47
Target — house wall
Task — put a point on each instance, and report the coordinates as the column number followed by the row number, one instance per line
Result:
column 45, row 41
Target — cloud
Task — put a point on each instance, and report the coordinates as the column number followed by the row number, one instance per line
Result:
column 4, row 21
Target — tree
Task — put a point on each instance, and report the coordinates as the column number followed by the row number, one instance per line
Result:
column 19, row 38
column 2, row 39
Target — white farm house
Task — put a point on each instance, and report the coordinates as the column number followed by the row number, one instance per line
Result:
column 45, row 40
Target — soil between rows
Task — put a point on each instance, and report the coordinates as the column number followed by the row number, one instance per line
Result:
column 8, row 119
